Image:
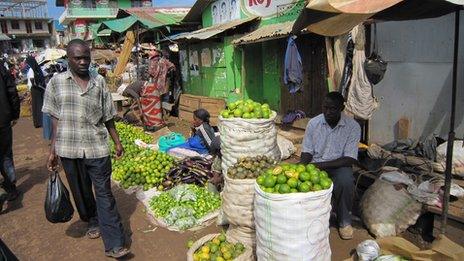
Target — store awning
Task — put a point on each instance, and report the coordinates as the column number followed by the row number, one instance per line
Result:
column 336, row 17
column 146, row 17
column 267, row 32
column 118, row 25
column 4, row 37
column 211, row 31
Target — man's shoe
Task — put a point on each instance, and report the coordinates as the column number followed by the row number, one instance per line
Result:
column 3, row 199
column 117, row 252
column 13, row 195
column 346, row 232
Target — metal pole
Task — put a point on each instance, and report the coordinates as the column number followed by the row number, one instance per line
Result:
column 449, row 149
column 137, row 51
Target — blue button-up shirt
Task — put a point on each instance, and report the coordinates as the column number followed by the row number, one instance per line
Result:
column 326, row 144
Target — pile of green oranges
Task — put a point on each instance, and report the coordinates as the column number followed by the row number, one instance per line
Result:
column 218, row 249
column 247, row 109
column 292, row 178
column 139, row 166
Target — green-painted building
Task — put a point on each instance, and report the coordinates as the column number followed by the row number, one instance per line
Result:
column 79, row 15
column 240, row 52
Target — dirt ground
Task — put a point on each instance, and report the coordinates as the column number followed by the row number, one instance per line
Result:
column 31, row 237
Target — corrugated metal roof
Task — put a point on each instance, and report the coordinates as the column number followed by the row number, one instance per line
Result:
column 211, row 31
column 147, row 17
column 266, row 32
column 194, row 15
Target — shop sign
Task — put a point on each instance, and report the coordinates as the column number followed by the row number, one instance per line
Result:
column 265, row 8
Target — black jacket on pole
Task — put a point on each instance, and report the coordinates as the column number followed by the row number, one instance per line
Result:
column 9, row 99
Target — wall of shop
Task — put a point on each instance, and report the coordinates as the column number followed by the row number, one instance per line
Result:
column 417, row 84
column 212, row 68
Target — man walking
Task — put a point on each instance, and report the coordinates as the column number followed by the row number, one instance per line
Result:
column 9, row 114
column 331, row 143
column 82, row 114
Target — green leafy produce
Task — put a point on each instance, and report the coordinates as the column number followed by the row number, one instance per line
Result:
column 218, row 249
column 139, row 166
column 250, row 167
column 184, row 205
column 292, row 178
column 247, row 109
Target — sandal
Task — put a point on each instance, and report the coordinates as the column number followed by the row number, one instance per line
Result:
column 117, row 252
column 93, row 233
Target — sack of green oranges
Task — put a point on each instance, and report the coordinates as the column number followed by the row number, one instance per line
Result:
column 292, row 211
column 217, row 247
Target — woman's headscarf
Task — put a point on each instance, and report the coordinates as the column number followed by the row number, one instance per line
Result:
column 202, row 114
column 38, row 74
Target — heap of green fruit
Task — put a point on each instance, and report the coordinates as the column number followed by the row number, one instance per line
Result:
column 139, row 166
column 247, row 109
column 187, row 201
column 128, row 134
column 148, row 169
column 218, row 249
column 250, row 167
column 292, row 178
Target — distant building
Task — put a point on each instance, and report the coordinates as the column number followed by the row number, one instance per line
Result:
column 27, row 25
column 79, row 14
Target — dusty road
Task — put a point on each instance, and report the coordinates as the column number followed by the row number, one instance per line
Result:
column 31, row 237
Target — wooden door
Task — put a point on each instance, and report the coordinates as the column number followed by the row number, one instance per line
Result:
column 315, row 87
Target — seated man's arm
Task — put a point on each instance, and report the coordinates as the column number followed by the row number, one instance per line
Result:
column 308, row 146
column 338, row 163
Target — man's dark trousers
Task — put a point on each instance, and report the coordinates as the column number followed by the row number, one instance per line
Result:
column 6, row 143
column 81, row 174
column 342, row 195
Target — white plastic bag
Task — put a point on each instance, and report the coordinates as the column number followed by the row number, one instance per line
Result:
column 368, row 250
column 247, row 137
column 458, row 157
column 292, row 226
column 286, row 147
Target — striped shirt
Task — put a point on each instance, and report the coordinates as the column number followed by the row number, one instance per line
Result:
column 326, row 144
column 81, row 132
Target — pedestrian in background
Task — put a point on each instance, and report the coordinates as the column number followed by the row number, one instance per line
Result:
column 9, row 114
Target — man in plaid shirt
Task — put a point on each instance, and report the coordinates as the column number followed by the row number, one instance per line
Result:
column 82, row 113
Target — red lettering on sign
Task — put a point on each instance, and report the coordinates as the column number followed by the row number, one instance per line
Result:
column 259, row 2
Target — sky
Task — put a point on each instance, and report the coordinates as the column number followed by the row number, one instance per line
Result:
column 55, row 12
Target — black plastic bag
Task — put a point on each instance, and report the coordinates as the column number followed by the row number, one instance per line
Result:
column 5, row 253
column 374, row 66
column 58, row 207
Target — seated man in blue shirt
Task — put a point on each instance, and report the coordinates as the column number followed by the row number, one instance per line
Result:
column 331, row 143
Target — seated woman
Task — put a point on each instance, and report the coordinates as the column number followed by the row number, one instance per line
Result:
column 203, row 140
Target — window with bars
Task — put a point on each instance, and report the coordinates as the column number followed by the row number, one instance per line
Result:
column 38, row 25
column 15, row 25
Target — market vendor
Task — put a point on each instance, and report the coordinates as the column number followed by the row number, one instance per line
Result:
column 331, row 143
column 204, row 139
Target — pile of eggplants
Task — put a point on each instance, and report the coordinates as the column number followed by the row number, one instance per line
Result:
column 192, row 170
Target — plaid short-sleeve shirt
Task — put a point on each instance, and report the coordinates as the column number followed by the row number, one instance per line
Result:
column 81, row 132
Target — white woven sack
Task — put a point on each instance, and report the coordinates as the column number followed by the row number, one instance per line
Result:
column 245, row 235
column 237, row 201
column 247, row 137
column 292, row 226
column 247, row 255
column 458, row 158
column 387, row 211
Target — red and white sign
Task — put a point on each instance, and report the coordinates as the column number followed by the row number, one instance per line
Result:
column 264, row 8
